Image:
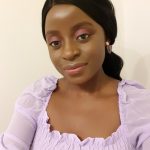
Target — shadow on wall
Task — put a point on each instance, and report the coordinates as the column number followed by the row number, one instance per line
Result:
column 137, row 67
column 142, row 70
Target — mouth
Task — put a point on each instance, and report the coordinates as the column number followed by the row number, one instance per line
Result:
column 73, row 69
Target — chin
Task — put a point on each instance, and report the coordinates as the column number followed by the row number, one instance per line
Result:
column 80, row 78
column 77, row 80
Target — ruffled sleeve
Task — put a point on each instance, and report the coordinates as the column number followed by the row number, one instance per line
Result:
column 20, row 132
column 138, row 115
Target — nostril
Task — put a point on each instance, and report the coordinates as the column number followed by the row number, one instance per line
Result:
column 68, row 55
column 71, row 54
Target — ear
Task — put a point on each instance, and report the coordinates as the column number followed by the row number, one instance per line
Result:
column 108, row 47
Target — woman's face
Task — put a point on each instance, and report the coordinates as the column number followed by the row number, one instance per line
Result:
column 76, row 43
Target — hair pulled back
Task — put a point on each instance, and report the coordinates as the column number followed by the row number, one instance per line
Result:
column 102, row 12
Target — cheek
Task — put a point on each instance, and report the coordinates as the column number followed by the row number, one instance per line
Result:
column 94, row 50
column 55, row 59
column 97, row 58
column 95, row 54
column 99, row 46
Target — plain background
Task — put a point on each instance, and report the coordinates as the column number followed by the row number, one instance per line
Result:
column 24, row 56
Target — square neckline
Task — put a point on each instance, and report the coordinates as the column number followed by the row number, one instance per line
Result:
column 74, row 136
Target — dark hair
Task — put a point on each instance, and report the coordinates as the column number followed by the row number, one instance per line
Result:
column 102, row 11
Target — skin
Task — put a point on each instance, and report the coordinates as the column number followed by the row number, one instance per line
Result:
column 73, row 37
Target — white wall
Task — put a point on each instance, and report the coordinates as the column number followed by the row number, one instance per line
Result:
column 133, row 40
column 24, row 55
column 136, row 40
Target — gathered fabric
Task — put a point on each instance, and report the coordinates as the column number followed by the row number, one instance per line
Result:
column 29, row 128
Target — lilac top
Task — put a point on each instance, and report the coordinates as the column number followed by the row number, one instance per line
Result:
column 29, row 130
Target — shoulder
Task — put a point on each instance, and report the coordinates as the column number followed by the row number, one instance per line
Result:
column 35, row 95
column 41, row 88
column 136, row 105
column 136, row 99
column 134, row 91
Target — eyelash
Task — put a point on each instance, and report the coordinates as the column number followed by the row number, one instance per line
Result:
column 84, row 34
column 56, row 47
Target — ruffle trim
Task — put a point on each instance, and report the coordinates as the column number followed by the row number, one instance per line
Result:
column 119, row 136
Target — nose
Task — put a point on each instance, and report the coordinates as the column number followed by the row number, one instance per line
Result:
column 70, row 51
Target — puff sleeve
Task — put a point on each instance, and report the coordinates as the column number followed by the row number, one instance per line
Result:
column 138, row 116
column 20, row 132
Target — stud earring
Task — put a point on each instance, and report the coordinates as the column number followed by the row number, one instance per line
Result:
column 108, row 47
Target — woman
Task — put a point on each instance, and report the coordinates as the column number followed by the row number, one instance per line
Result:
column 90, row 107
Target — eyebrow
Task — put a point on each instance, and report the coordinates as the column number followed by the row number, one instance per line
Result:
column 75, row 27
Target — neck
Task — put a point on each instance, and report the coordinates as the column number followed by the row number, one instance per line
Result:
column 96, row 84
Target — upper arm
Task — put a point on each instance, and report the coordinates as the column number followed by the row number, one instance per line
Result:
column 138, row 117
column 20, row 132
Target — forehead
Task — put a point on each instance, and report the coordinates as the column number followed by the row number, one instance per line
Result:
column 66, row 15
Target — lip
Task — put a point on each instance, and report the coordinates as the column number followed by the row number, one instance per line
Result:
column 75, row 68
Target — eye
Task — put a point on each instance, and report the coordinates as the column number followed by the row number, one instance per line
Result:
column 83, row 37
column 55, row 44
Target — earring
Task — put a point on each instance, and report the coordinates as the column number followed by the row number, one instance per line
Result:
column 108, row 47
